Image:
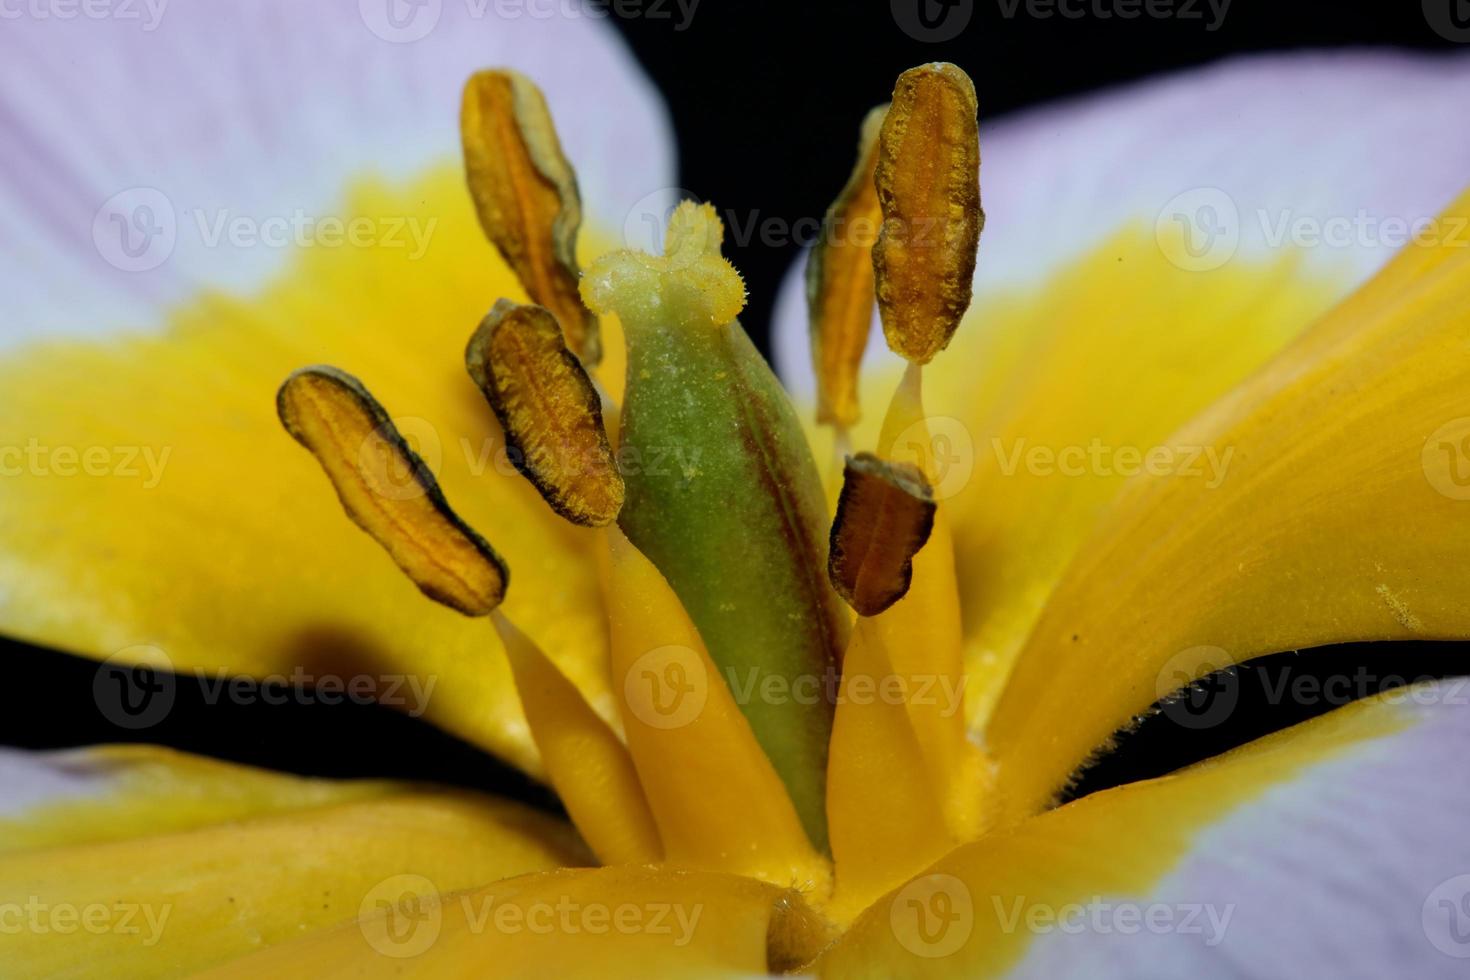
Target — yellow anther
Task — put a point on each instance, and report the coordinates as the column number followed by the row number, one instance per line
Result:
column 550, row 410
column 525, row 193
column 928, row 183
column 839, row 283
column 388, row 491
column 884, row 516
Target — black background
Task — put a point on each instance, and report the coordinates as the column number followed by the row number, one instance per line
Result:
column 766, row 96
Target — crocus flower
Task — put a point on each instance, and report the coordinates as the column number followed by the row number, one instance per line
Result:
column 1252, row 438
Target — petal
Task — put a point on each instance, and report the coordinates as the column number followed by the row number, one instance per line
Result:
column 625, row 921
column 1339, row 514
column 157, row 863
column 1082, row 332
column 154, row 499
column 1335, row 848
column 262, row 110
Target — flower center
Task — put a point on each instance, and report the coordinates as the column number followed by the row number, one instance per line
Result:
column 724, row 574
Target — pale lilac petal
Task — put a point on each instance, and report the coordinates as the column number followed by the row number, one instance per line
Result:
column 1357, row 868
column 34, row 779
column 1335, row 848
column 266, row 109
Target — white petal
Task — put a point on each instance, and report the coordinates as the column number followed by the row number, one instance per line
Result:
column 211, row 110
column 1358, row 867
column 34, row 779
column 1263, row 149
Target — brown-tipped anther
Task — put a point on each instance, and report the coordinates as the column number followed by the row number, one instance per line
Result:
column 525, row 193
column 550, row 411
column 388, row 491
column 839, row 283
column 928, row 184
column 884, row 516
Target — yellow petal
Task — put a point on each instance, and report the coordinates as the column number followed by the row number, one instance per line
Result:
column 627, row 921
column 1342, row 516
column 718, row 801
column 209, row 861
column 196, row 525
column 978, row 911
column 1118, row 351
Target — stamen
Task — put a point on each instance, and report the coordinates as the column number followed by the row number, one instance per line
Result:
column 928, row 183
column 839, row 284
column 388, row 491
column 550, row 410
column 526, row 195
column 884, row 517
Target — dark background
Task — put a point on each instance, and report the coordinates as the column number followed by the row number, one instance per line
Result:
column 766, row 96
